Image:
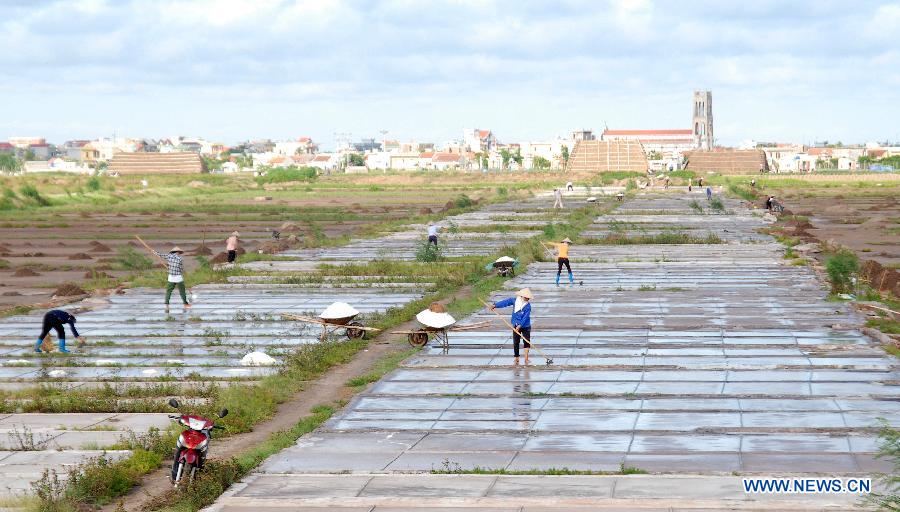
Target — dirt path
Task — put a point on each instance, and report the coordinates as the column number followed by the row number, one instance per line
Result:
column 326, row 389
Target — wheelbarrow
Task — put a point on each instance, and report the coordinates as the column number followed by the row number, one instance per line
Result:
column 352, row 329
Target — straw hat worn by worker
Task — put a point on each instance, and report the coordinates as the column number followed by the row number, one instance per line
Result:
column 521, row 320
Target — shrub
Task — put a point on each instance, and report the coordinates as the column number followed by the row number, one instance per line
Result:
column 717, row 205
column 888, row 448
column 130, row 259
column 841, row 267
column 631, row 185
column 501, row 191
column 428, row 253
column 292, row 173
column 30, row 192
column 93, row 184
column 695, row 206
column 9, row 193
column 463, row 201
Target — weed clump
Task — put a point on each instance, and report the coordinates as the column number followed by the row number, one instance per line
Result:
column 717, row 205
column 842, row 266
column 463, row 201
column 695, row 206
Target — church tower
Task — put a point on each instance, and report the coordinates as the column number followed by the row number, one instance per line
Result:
column 703, row 120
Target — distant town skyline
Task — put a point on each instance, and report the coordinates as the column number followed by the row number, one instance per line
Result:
column 233, row 70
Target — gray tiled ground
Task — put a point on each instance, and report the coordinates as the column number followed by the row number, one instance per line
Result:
column 674, row 359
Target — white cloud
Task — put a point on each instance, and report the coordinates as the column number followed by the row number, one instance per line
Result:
column 341, row 62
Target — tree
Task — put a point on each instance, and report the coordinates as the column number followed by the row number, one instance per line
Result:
column 504, row 158
column 517, row 156
column 9, row 163
column 540, row 162
column 654, row 155
column 29, row 155
column 565, row 155
column 357, row 160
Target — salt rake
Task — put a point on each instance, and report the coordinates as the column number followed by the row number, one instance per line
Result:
column 549, row 360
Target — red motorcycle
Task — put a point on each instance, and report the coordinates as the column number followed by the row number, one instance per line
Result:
column 193, row 443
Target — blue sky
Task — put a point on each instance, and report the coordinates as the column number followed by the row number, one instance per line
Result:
column 234, row 69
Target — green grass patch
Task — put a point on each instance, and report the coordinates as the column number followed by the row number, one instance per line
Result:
column 673, row 237
column 885, row 325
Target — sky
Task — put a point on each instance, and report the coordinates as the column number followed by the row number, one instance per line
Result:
column 231, row 70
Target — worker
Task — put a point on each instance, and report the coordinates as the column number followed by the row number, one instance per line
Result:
column 769, row 201
column 57, row 319
column 562, row 259
column 231, row 245
column 708, row 194
column 570, row 187
column 667, row 183
column 432, row 233
column 700, row 182
column 521, row 320
column 557, row 194
column 175, row 271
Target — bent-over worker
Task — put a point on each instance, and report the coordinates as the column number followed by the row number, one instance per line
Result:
column 57, row 319
column 521, row 320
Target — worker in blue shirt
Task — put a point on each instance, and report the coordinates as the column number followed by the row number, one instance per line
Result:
column 57, row 319
column 521, row 320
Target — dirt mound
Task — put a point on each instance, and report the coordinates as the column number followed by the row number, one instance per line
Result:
column 68, row 290
column 80, row 256
column 133, row 243
column 11, row 294
column 289, row 227
column 187, row 215
column 96, row 274
column 4, row 248
column 84, row 215
column 98, row 247
column 222, row 257
column 34, row 254
column 799, row 225
column 61, row 244
column 449, row 206
column 283, row 244
column 880, row 277
column 202, row 250
column 120, row 215
column 25, row 272
column 425, row 211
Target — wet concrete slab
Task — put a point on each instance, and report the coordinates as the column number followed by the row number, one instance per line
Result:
column 686, row 359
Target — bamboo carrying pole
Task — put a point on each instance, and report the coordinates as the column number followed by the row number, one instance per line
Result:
column 151, row 251
column 549, row 360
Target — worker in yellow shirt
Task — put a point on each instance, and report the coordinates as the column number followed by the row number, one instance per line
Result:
column 562, row 259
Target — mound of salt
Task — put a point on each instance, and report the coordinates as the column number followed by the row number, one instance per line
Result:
column 434, row 320
column 257, row 359
column 338, row 310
